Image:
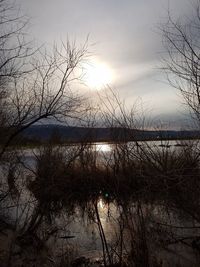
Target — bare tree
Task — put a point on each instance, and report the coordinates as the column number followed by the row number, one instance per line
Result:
column 35, row 84
column 15, row 49
column 46, row 92
column 14, row 53
column 182, row 60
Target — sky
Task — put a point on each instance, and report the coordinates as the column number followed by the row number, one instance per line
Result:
column 124, row 36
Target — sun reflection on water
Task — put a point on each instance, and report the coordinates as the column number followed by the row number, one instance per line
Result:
column 102, row 147
column 101, row 204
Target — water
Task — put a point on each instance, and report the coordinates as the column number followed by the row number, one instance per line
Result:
column 82, row 233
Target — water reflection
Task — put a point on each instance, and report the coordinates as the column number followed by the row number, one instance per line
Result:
column 101, row 204
column 102, row 147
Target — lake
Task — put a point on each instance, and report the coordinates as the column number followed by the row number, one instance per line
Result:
column 83, row 232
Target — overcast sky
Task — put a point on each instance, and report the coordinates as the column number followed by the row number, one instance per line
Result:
column 126, row 37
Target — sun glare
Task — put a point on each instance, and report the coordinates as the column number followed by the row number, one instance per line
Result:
column 97, row 75
column 101, row 147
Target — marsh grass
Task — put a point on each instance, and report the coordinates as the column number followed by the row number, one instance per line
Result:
column 137, row 179
column 154, row 191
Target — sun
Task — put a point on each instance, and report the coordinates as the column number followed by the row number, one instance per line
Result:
column 97, row 75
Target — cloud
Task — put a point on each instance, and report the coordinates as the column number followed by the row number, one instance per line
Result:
column 125, row 33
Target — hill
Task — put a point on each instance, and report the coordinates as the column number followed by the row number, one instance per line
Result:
column 60, row 133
